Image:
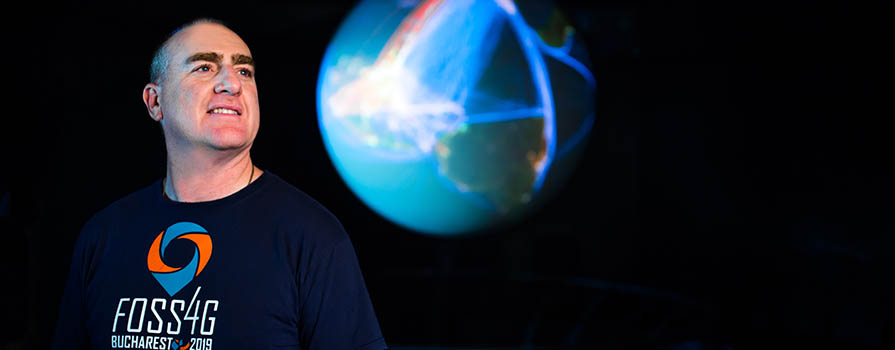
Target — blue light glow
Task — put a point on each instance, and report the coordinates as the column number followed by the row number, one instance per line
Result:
column 442, row 117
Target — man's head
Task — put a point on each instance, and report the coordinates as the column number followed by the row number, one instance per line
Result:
column 203, row 90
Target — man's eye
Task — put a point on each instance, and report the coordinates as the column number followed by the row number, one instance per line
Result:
column 246, row 73
column 202, row 68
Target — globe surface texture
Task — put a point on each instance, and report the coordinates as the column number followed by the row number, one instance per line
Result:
column 455, row 116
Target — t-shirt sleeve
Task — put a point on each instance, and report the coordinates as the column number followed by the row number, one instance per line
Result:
column 71, row 328
column 335, row 308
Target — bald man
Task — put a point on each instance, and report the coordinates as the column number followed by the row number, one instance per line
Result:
column 218, row 254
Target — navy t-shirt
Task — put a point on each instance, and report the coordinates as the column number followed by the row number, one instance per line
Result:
column 267, row 267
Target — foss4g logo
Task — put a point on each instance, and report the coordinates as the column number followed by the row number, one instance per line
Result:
column 176, row 318
column 174, row 279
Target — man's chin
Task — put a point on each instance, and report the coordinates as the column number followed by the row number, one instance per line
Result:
column 233, row 144
column 230, row 146
column 230, row 140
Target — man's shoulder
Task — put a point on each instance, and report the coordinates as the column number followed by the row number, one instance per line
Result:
column 290, row 197
column 134, row 201
column 299, row 210
column 120, row 211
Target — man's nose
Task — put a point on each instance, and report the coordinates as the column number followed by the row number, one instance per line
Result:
column 228, row 82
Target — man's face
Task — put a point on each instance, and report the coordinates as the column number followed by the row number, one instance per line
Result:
column 208, row 96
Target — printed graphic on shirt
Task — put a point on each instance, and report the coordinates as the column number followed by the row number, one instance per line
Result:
column 169, row 324
column 174, row 279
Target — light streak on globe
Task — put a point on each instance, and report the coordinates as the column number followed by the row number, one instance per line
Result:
column 455, row 116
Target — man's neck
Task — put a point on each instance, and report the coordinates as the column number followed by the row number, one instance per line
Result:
column 198, row 177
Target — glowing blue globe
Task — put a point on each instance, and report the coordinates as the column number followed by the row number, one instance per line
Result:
column 453, row 116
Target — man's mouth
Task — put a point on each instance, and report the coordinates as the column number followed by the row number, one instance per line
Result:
column 223, row 111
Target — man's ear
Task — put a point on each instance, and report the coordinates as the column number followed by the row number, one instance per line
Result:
column 151, row 100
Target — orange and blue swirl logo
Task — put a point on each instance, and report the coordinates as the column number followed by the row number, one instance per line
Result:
column 174, row 279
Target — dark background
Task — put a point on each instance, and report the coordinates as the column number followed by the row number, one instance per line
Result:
column 735, row 192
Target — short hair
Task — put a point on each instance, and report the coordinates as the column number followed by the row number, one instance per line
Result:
column 160, row 59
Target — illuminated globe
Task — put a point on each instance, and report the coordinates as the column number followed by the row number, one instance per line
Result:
column 451, row 117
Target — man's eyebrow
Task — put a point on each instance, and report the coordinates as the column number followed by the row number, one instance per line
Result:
column 242, row 59
column 205, row 56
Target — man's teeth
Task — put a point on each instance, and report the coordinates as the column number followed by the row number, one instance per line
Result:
column 223, row 111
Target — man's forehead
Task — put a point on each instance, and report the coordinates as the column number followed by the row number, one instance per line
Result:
column 207, row 37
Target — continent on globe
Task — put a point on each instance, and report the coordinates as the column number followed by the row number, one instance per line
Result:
column 451, row 117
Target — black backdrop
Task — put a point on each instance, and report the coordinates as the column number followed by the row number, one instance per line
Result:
column 733, row 194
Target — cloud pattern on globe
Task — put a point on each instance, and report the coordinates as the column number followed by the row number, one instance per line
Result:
column 449, row 117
